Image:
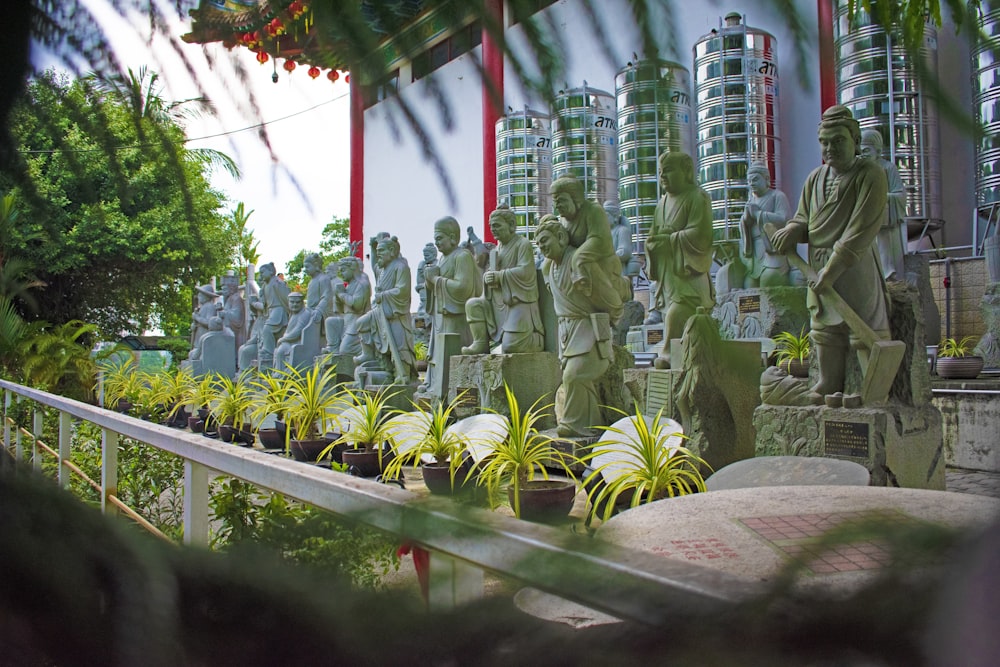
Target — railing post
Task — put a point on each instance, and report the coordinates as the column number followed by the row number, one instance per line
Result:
column 195, row 504
column 18, row 447
column 452, row 582
column 37, row 420
column 6, row 418
column 65, row 440
column 109, row 470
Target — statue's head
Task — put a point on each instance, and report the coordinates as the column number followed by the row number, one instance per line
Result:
column 447, row 234
column 551, row 237
column 267, row 271
column 230, row 283
column 430, row 252
column 758, row 178
column 676, row 171
column 387, row 251
column 348, row 268
column 839, row 137
column 613, row 210
column 503, row 224
column 295, row 302
column 312, row 264
column 871, row 144
column 206, row 293
column 567, row 195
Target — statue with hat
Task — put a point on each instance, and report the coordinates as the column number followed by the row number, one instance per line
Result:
column 207, row 308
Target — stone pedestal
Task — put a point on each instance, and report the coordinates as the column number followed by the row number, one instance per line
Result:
column 899, row 445
column 532, row 376
column 576, row 447
column 762, row 312
column 644, row 338
column 989, row 345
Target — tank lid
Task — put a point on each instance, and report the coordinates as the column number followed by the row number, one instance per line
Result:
column 733, row 19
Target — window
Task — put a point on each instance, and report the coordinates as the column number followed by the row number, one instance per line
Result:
column 447, row 50
column 375, row 94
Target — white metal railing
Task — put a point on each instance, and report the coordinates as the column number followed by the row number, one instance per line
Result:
column 464, row 542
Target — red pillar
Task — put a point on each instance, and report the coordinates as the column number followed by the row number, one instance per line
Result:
column 492, row 110
column 357, row 227
column 827, row 74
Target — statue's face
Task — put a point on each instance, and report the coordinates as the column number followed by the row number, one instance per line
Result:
column 565, row 206
column 550, row 245
column 385, row 254
column 312, row 267
column 346, row 272
column 757, row 183
column 838, row 147
column 674, row 177
column 502, row 230
column 613, row 214
column 869, row 151
column 228, row 289
column 266, row 273
column 444, row 242
column 430, row 252
column 202, row 298
column 295, row 305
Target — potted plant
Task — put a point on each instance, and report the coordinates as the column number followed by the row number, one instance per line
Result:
column 122, row 385
column 198, row 395
column 520, row 463
column 311, row 400
column 171, row 391
column 793, row 353
column 643, row 461
column 365, row 427
column 230, row 406
column 955, row 360
column 152, row 402
column 424, row 438
column 420, row 355
column 269, row 397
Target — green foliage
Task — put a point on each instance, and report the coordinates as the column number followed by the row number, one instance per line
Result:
column 650, row 468
column 954, row 347
column 368, row 418
column 112, row 234
column 420, row 350
column 333, row 246
column 311, row 398
column 232, row 401
column 178, row 347
column 57, row 359
column 436, row 441
column 790, row 347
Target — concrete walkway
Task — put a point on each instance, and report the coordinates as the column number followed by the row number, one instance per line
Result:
column 976, row 482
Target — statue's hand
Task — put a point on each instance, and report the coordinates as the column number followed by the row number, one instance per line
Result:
column 753, row 209
column 378, row 297
column 785, row 239
column 823, row 281
column 491, row 278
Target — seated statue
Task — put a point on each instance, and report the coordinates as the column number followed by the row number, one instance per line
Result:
column 508, row 309
column 386, row 332
column 216, row 351
column 301, row 323
column 208, row 307
column 352, row 293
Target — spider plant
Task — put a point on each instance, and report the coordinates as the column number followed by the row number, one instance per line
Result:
column 122, row 383
column 417, row 436
column 232, row 401
column 645, row 463
column 955, row 347
column 311, row 399
column 172, row 389
column 270, row 396
column 790, row 347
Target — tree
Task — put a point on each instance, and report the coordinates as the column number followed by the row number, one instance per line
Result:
column 118, row 237
column 334, row 245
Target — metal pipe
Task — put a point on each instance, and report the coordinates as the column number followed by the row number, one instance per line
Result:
column 947, row 296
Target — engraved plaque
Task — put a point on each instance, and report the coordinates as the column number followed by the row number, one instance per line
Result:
column 658, row 393
column 848, row 439
column 749, row 304
column 466, row 398
column 653, row 336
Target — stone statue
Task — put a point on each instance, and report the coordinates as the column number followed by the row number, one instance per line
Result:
column 319, row 294
column 585, row 348
column 272, row 308
column 840, row 212
column 353, row 294
column 450, row 282
column 596, row 268
column 386, row 331
column 508, row 309
column 892, row 235
column 208, row 307
column 374, row 242
column 679, row 249
column 430, row 256
column 216, row 351
column 299, row 319
column 621, row 237
column 233, row 311
column 764, row 267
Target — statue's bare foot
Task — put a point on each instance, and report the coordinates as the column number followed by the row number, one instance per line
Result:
column 662, row 362
column 477, row 347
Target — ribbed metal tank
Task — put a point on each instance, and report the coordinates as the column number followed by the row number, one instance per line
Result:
column 736, row 96
column 986, row 104
column 584, row 138
column 654, row 116
column 524, row 166
column 891, row 101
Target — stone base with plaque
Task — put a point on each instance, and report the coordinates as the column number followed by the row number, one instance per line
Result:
column 477, row 382
column 899, row 445
column 762, row 312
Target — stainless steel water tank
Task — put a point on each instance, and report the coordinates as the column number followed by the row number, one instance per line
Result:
column 584, row 138
column 736, row 96
column 986, row 104
column 654, row 116
column 524, row 166
column 890, row 99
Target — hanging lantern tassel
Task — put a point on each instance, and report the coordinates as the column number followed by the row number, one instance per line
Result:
column 313, row 72
column 289, row 66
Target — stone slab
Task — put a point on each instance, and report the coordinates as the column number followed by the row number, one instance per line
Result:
column 761, row 312
column 788, row 471
column 970, row 410
column 899, row 445
column 480, row 378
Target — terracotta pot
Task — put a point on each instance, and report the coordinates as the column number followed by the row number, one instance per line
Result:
column 437, row 478
column 203, row 413
column 959, row 368
column 196, row 424
column 270, row 438
column 796, row 368
column 123, row 406
column 306, row 450
column 337, row 453
column 363, row 462
column 180, row 418
column 545, row 501
column 238, row 436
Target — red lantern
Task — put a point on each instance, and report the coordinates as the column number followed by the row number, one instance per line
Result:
column 347, row 78
column 289, row 66
column 262, row 57
column 333, row 75
column 313, row 72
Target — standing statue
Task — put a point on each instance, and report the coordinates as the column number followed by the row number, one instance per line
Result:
column 892, row 235
column 233, row 311
column 840, row 212
column 596, row 268
column 386, row 330
column 272, row 307
column 764, row 267
column 621, row 237
column 679, row 249
column 430, row 256
column 353, row 294
column 508, row 309
column 585, row 348
column 319, row 294
column 208, row 307
column 451, row 282
column 299, row 318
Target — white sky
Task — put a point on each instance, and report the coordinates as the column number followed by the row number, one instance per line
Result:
column 307, row 122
